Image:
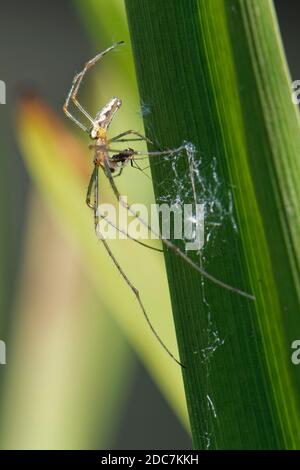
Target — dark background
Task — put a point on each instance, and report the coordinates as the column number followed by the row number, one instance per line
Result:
column 34, row 38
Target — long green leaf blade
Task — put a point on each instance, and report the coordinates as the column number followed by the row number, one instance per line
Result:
column 214, row 74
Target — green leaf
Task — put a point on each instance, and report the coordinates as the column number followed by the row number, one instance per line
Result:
column 214, row 74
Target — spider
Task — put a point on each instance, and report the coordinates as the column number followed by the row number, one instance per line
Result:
column 113, row 165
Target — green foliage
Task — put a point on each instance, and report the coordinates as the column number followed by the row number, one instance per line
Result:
column 213, row 73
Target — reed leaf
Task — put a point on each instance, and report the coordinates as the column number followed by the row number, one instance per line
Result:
column 214, row 74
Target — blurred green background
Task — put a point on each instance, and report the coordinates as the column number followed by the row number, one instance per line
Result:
column 82, row 371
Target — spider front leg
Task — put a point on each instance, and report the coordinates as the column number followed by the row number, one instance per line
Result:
column 72, row 95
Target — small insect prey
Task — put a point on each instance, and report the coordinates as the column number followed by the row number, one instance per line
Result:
column 112, row 163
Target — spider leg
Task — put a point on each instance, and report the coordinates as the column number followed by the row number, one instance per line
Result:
column 90, row 188
column 73, row 118
column 130, row 132
column 159, row 152
column 136, row 152
column 146, row 154
column 96, row 198
column 169, row 244
column 72, row 95
column 93, row 184
column 137, row 296
column 90, row 64
column 129, row 236
column 139, row 139
column 135, row 165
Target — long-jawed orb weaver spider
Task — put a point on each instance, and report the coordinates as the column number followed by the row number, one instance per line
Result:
column 98, row 133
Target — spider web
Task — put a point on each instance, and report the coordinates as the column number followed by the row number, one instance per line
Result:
column 194, row 177
column 187, row 180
